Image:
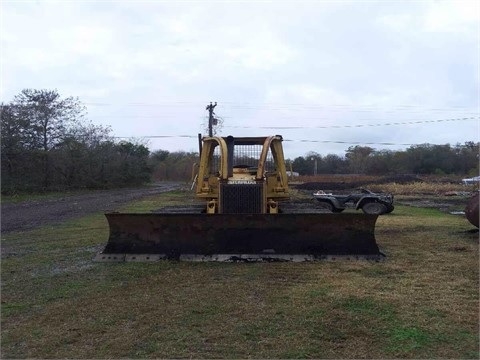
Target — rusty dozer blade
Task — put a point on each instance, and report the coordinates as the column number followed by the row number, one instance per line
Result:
column 240, row 237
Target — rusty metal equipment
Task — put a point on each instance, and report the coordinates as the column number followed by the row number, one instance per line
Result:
column 246, row 216
column 471, row 211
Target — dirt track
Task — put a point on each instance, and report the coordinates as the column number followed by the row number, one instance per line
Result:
column 31, row 214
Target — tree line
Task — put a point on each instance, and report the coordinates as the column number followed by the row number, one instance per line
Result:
column 460, row 159
column 47, row 144
column 424, row 159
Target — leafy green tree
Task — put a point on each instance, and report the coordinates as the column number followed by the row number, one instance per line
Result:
column 134, row 168
column 380, row 162
column 46, row 144
column 335, row 164
column 173, row 165
column 47, row 119
column 76, row 158
column 301, row 165
column 467, row 158
column 13, row 140
column 358, row 158
column 431, row 159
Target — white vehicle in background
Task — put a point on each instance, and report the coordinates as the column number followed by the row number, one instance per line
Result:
column 470, row 181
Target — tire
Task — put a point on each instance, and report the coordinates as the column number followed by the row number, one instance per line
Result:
column 374, row 208
column 326, row 205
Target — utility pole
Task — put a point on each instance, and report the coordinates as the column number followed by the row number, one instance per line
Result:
column 314, row 159
column 210, row 118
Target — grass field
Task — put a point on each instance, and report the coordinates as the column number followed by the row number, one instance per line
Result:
column 420, row 303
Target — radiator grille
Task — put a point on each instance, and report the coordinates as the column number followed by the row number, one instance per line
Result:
column 241, row 198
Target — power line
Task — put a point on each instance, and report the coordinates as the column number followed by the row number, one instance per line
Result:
column 286, row 140
column 176, row 115
column 349, row 142
column 211, row 107
column 155, row 136
column 272, row 105
column 356, row 125
column 319, row 126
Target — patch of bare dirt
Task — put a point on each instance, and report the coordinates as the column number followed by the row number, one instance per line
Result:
column 32, row 214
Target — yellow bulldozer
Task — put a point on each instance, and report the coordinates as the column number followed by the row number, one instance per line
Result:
column 245, row 215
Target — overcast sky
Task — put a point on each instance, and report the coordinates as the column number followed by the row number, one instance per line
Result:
column 323, row 74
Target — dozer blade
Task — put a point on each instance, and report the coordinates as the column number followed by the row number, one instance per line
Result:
column 240, row 237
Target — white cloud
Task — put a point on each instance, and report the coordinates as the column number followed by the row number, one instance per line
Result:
column 307, row 94
column 461, row 16
column 84, row 39
column 264, row 51
column 455, row 17
column 288, row 63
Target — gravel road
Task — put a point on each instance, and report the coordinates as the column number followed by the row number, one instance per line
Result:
column 32, row 214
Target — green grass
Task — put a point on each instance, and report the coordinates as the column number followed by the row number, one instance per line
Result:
column 177, row 197
column 422, row 302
